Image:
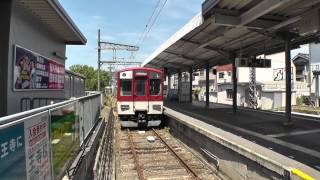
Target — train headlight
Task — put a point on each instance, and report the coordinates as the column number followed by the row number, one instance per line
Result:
column 125, row 107
column 156, row 107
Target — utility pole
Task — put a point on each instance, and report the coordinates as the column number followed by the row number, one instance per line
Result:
column 114, row 47
column 99, row 59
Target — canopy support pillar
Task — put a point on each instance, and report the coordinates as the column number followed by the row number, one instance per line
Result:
column 234, row 82
column 207, row 84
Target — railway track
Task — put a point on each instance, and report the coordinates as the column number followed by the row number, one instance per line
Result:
column 163, row 158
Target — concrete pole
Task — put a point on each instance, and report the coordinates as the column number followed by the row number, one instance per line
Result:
column 235, row 83
column 207, row 84
column 288, row 81
column 179, row 85
column 99, row 60
column 190, row 84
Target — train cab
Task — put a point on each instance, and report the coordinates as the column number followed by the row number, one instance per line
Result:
column 140, row 97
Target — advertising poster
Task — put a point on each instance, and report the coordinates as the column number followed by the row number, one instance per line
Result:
column 12, row 152
column 37, row 147
column 33, row 71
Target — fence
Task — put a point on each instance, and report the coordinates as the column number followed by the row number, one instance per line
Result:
column 41, row 143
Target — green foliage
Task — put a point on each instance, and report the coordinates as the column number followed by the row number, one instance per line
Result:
column 91, row 75
column 299, row 101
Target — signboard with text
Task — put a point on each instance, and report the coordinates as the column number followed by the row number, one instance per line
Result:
column 25, row 149
column 37, row 152
column 35, row 72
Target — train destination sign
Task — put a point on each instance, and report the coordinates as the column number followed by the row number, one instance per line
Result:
column 35, row 72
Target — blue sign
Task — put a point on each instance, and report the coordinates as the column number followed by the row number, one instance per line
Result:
column 12, row 152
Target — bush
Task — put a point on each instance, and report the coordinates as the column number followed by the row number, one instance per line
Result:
column 300, row 101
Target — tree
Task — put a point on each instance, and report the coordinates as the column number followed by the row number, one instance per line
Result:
column 91, row 75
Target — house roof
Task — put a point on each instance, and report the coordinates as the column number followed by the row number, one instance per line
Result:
column 301, row 58
column 51, row 14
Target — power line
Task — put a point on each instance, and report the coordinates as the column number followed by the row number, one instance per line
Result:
column 149, row 20
column 145, row 35
column 153, row 22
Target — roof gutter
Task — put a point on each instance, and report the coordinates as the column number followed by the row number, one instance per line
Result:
column 66, row 18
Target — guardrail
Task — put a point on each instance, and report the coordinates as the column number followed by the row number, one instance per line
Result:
column 103, row 166
column 31, row 103
column 41, row 143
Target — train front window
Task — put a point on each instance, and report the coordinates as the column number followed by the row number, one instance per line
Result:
column 125, row 85
column 154, row 84
column 141, row 87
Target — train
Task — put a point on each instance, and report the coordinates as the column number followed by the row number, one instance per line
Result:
column 140, row 97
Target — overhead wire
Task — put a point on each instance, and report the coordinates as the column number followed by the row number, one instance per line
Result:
column 148, row 22
column 151, row 22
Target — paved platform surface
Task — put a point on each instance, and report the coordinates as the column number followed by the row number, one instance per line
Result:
column 300, row 142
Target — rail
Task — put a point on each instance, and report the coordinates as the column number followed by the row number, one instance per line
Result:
column 135, row 156
column 181, row 161
column 41, row 143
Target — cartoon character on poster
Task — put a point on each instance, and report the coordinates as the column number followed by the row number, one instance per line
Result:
column 25, row 73
column 33, row 76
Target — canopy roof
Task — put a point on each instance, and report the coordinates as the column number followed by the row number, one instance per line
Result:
column 238, row 27
column 52, row 15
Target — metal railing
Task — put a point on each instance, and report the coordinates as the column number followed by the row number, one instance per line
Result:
column 41, row 143
column 103, row 167
column 31, row 103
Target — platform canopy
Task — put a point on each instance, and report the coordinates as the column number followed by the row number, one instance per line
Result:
column 228, row 28
column 52, row 15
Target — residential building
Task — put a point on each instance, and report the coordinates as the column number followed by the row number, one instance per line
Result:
column 270, row 84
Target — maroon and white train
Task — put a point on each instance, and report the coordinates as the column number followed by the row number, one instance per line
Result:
column 140, row 97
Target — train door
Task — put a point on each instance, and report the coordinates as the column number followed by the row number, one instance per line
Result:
column 140, row 97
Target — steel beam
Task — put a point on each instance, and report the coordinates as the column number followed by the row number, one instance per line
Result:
column 259, row 10
column 182, row 56
column 118, row 46
column 208, row 47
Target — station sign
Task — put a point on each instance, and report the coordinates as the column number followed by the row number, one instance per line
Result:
column 253, row 62
column 33, row 71
column 25, row 148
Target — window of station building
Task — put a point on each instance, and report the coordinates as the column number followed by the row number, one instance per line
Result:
column 221, row 75
column 125, row 85
column 229, row 93
column 141, row 87
column 154, row 84
column 229, row 73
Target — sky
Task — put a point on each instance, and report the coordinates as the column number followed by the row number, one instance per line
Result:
column 123, row 21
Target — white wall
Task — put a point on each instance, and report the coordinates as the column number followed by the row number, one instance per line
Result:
column 266, row 74
column 227, row 77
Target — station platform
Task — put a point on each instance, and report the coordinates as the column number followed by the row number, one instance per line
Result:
column 299, row 142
